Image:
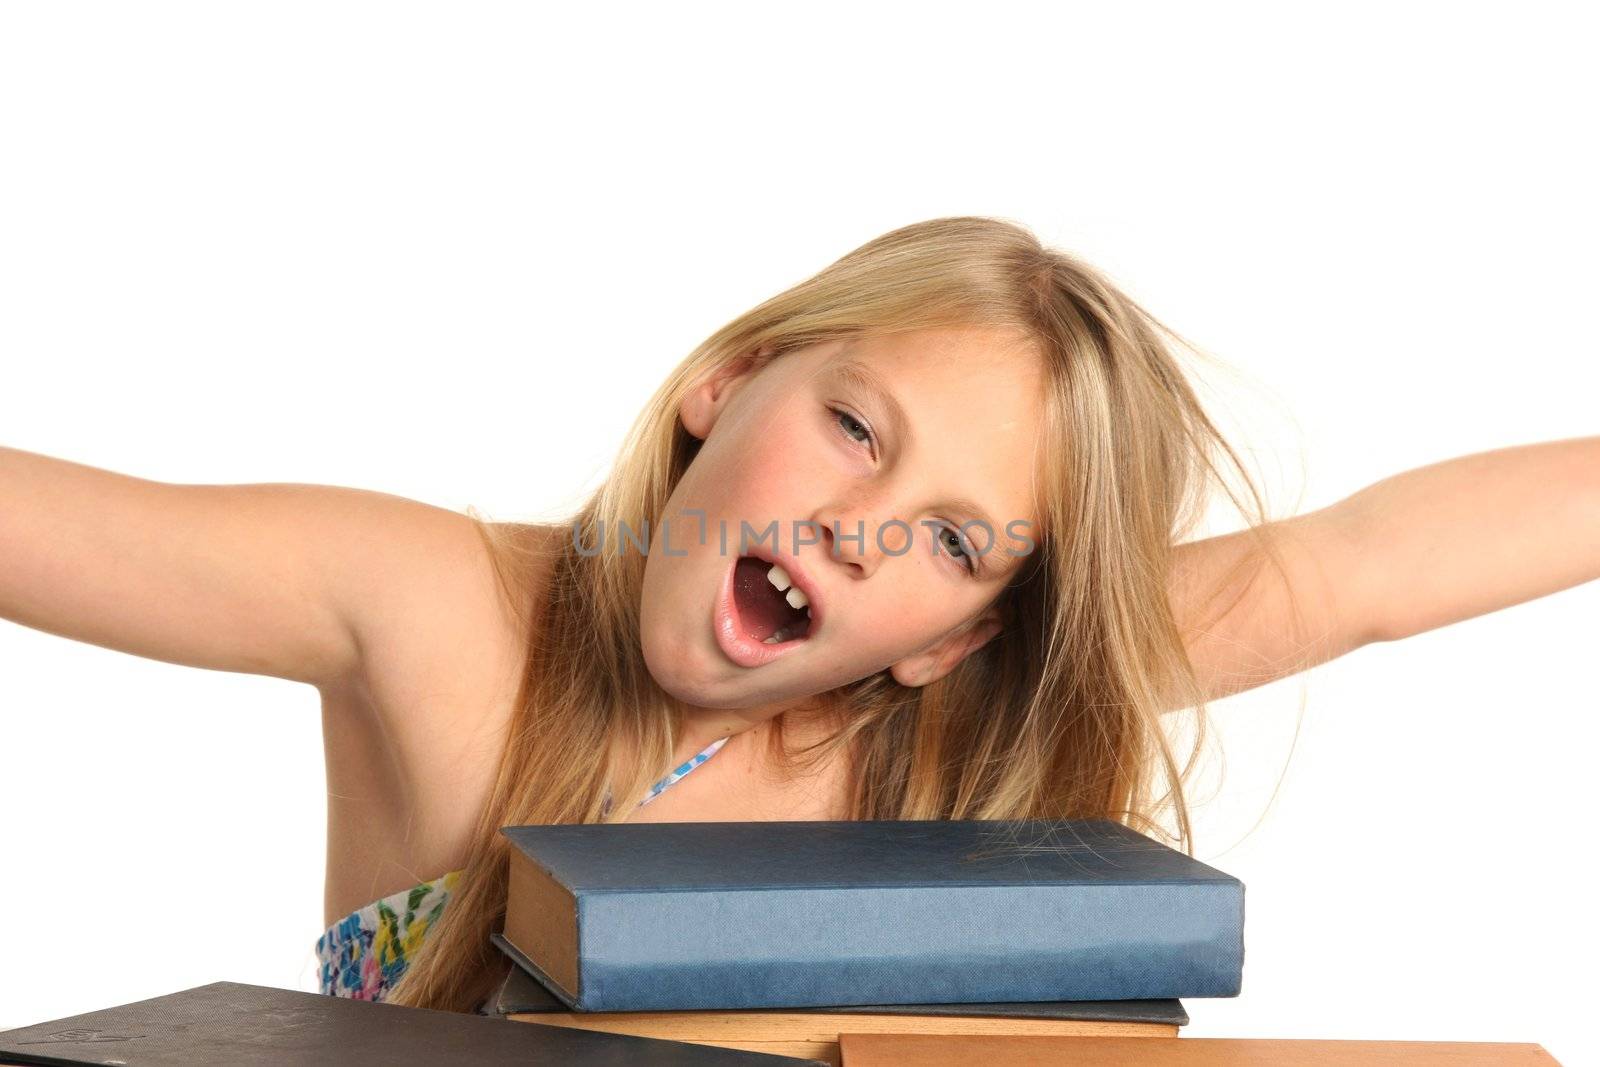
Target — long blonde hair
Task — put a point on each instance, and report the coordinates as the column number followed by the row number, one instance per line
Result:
column 1058, row 716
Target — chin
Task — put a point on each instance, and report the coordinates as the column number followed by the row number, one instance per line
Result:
column 677, row 667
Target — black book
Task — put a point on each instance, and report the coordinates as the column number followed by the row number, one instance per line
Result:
column 258, row 1026
column 522, row 993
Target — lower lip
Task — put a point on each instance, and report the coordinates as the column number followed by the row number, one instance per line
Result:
column 736, row 644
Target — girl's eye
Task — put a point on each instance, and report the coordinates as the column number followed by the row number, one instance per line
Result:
column 956, row 548
column 846, row 421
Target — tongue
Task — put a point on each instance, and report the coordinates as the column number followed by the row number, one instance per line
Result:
column 762, row 609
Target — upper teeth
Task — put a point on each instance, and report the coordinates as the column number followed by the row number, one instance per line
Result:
column 780, row 578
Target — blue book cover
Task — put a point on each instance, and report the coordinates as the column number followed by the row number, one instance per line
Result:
column 728, row 915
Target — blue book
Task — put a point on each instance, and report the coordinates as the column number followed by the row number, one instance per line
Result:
column 728, row 915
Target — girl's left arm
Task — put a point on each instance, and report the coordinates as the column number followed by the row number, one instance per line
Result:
column 1472, row 535
column 1416, row 551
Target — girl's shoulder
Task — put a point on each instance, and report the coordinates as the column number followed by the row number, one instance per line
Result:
column 457, row 614
column 411, row 742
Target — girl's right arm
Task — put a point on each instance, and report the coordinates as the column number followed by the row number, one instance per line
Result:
column 278, row 579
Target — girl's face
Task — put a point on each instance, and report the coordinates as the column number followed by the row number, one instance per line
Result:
column 806, row 446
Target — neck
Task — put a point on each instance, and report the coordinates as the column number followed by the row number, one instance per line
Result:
column 698, row 726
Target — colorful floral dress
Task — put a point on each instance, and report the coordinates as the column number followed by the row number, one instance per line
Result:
column 364, row 954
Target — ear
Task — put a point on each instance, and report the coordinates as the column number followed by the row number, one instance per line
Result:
column 703, row 404
column 940, row 658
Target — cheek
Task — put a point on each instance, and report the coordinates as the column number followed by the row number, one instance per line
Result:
column 903, row 613
column 764, row 469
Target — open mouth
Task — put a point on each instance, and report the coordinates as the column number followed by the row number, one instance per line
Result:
column 772, row 609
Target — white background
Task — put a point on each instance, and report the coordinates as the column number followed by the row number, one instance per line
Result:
column 447, row 251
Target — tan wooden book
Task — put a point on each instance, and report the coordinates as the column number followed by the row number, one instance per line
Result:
column 817, row 1035
column 935, row 1050
column 814, row 1033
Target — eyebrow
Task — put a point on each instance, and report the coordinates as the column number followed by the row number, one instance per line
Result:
column 852, row 371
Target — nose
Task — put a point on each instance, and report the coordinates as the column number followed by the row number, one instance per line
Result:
column 859, row 538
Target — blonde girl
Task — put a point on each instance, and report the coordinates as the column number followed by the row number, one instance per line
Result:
column 910, row 540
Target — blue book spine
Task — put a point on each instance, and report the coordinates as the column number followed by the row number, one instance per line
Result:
column 806, row 947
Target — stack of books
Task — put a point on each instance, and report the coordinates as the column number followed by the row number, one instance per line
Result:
column 866, row 944
column 779, row 937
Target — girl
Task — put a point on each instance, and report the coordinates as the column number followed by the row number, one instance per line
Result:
column 907, row 541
